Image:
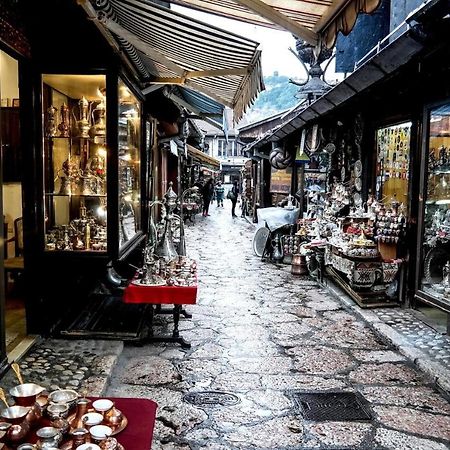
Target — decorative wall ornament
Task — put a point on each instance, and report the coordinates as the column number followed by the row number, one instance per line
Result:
column 280, row 158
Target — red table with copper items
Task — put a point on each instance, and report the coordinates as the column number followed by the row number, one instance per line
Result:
column 164, row 295
column 141, row 415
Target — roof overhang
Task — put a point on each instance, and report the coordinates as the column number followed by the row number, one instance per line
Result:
column 379, row 65
column 203, row 158
column 314, row 21
column 168, row 48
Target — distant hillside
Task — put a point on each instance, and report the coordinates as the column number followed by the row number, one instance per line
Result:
column 278, row 96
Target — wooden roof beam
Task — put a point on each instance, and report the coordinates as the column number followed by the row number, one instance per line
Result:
column 274, row 16
column 200, row 74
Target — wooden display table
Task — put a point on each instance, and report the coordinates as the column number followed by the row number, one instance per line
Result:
column 163, row 295
column 364, row 279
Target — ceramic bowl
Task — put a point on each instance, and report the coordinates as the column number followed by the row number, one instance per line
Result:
column 91, row 419
column 100, row 432
column 102, row 405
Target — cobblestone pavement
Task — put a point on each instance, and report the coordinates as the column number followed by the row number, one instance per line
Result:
column 261, row 334
column 435, row 345
column 84, row 365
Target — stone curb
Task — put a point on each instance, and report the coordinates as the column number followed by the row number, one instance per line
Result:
column 98, row 384
column 439, row 375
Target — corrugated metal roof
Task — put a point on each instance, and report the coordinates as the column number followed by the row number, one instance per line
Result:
column 176, row 49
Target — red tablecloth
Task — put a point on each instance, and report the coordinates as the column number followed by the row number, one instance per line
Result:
column 141, row 414
column 164, row 295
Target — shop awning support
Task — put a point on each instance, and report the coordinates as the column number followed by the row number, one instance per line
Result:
column 272, row 15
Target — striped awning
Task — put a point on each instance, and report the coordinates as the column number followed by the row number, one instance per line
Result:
column 310, row 20
column 206, row 108
column 169, row 48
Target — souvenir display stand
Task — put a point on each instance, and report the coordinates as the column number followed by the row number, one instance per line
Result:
column 354, row 243
column 167, row 276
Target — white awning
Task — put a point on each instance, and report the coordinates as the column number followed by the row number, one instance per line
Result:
column 176, row 49
column 310, row 20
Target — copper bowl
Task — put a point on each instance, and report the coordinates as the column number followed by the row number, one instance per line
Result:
column 15, row 414
column 64, row 396
column 25, row 394
column 56, row 410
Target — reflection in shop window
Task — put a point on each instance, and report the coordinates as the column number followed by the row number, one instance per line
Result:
column 436, row 240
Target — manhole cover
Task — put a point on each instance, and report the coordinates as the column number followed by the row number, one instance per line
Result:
column 212, row 398
column 332, row 406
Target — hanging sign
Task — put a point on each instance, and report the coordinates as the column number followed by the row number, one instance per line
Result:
column 300, row 155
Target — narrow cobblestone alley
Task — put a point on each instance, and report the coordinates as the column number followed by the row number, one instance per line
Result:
column 260, row 334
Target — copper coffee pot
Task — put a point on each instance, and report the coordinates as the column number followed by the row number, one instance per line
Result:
column 19, row 426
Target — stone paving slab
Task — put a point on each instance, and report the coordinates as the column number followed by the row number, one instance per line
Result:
column 429, row 349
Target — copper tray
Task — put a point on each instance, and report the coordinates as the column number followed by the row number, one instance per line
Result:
column 116, row 429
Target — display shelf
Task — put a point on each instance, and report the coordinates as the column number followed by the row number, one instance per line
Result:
column 75, row 164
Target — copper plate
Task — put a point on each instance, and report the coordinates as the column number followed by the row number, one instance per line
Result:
column 116, row 430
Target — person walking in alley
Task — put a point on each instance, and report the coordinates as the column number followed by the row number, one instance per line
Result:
column 207, row 193
column 220, row 191
column 234, row 192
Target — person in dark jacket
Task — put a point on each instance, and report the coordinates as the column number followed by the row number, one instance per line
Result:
column 220, row 194
column 234, row 197
column 207, row 193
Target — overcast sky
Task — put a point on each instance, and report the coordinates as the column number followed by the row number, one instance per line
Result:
column 274, row 44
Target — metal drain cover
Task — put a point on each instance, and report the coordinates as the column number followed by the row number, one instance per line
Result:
column 332, row 406
column 212, row 398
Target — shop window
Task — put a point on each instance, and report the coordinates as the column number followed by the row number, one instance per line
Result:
column 393, row 151
column 222, row 148
column 436, row 233
column 75, row 162
column 129, row 164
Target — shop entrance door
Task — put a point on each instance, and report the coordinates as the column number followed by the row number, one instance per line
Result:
column 14, row 335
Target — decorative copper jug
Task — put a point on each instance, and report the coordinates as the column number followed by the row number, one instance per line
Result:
column 64, row 127
column 82, row 409
column 51, row 130
column 83, row 122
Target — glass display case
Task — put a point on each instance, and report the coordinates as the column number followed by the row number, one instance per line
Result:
column 435, row 276
column 129, row 164
column 75, row 170
column 393, row 156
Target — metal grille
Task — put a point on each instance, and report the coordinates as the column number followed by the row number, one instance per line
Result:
column 332, row 406
column 212, row 398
